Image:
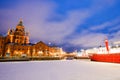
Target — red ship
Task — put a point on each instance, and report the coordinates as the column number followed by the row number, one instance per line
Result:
column 113, row 57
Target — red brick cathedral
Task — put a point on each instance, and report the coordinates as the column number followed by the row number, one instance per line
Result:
column 16, row 44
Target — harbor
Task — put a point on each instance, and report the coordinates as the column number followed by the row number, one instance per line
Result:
column 59, row 39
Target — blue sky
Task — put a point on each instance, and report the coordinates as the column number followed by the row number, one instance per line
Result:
column 71, row 24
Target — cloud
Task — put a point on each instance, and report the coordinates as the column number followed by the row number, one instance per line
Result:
column 59, row 30
column 36, row 20
column 115, row 36
column 108, row 24
column 89, row 40
column 115, row 28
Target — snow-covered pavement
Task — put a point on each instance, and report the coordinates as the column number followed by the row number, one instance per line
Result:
column 59, row 70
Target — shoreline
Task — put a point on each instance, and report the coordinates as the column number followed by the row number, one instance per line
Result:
column 45, row 58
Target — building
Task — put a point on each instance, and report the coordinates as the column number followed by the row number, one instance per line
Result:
column 16, row 44
column 2, row 44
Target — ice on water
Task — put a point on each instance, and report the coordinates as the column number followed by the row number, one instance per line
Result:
column 59, row 70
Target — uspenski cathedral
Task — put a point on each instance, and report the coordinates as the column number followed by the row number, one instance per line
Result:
column 17, row 44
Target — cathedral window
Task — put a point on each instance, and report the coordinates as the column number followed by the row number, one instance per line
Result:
column 16, row 29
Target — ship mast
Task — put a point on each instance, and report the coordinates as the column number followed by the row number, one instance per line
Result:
column 107, row 45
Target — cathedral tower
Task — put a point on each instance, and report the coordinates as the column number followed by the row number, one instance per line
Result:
column 18, row 35
column 20, row 29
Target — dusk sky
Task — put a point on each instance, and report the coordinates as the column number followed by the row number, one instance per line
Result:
column 71, row 24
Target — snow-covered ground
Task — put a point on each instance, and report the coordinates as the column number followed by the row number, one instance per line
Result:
column 59, row 70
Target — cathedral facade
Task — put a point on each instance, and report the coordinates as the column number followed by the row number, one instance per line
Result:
column 16, row 44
